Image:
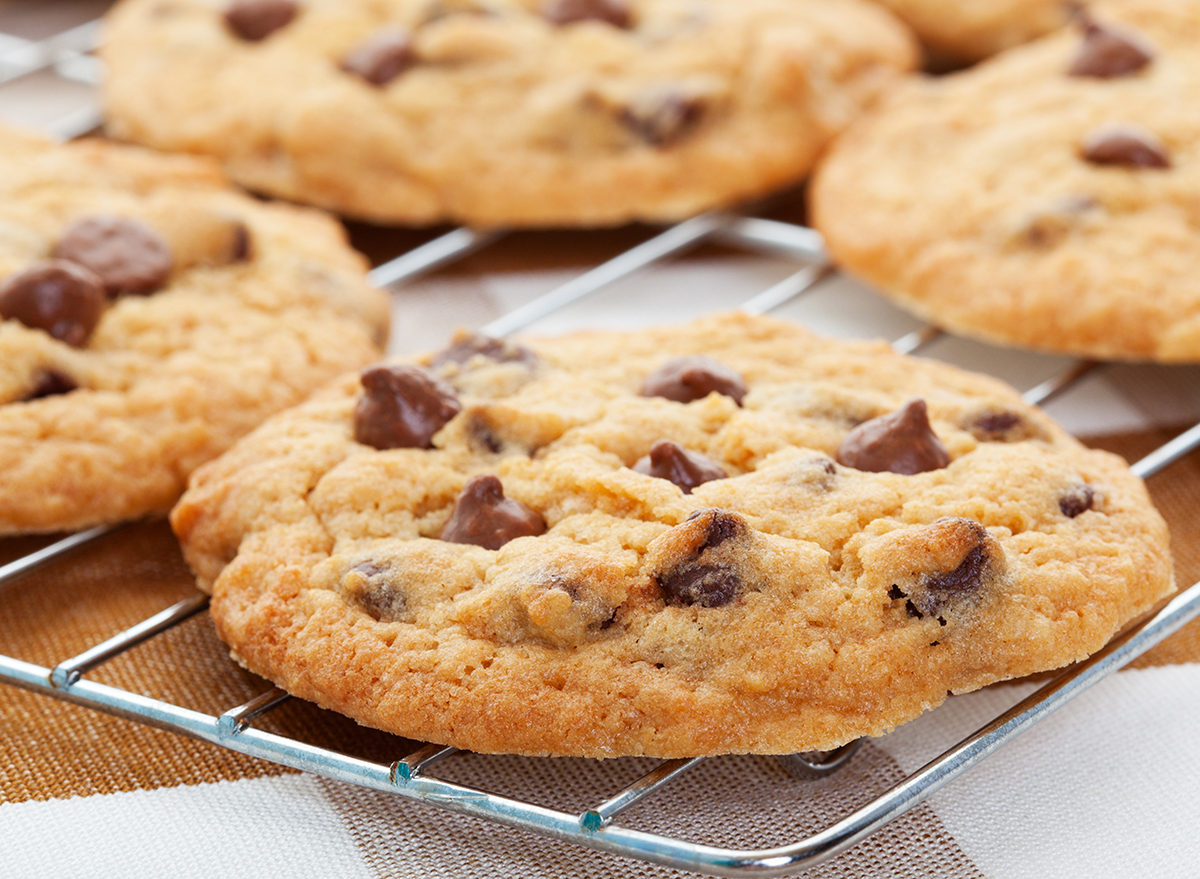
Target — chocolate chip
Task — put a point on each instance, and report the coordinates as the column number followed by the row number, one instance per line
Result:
column 1002, row 425
column 1125, row 145
column 1079, row 500
column 900, row 442
column 1050, row 223
column 483, row 516
column 687, row 469
column 369, row 586
column 255, row 20
column 705, row 585
column 978, row 568
column 719, row 526
column 468, row 345
column 402, row 407
column 51, row 383
column 685, row 379
column 62, row 298
column 968, row 574
column 1108, row 52
column 128, row 255
column 241, row 246
column 663, row 116
column 561, row 12
column 382, row 57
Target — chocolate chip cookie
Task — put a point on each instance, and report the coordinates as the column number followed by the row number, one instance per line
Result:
column 149, row 316
column 958, row 31
column 730, row 536
column 501, row 112
column 1045, row 198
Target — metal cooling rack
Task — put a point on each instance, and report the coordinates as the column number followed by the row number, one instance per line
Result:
column 411, row 777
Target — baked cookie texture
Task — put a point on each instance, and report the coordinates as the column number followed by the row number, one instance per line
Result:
column 971, row 30
column 1046, row 198
column 152, row 315
column 749, row 591
column 502, row 112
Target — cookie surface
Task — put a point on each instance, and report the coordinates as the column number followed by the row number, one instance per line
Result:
column 1046, row 198
column 151, row 315
column 501, row 112
column 971, row 30
column 565, row 557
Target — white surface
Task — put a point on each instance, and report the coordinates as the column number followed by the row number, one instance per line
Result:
column 266, row 828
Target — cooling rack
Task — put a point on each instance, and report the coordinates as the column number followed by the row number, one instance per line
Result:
column 414, row 777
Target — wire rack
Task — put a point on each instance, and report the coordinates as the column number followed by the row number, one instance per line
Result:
column 413, row 777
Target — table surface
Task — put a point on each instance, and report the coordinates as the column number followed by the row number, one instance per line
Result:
column 1106, row 787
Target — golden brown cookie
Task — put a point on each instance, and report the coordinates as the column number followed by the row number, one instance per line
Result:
column 1046, row 198
column 958, row 31
column 501, row 112
column 149, row 316
column 729, row 536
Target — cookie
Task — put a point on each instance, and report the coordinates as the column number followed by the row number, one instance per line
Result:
column 1044, row 199
column 500, row 112
column 963, row 31
column 730, row 536
column 149, row 316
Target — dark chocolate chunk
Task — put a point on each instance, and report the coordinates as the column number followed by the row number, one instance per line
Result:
column 255, row 20
column 62, row 298
column 705, row 585
column 1077, row 501
column 663, row 116
column 382, row 57
column 685, row 379
column 968, row 575
column 1109, row 52
column 127, row 255
column 1125, row 145
column 900, row 442
column 998, row 422
column 369, row 586
column 468, row 345
column 51, row 383
column 402, row 407
column 483, row 516
column 560, row 12
column 671, row 461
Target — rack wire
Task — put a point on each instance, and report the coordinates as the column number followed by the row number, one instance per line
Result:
column 412, row 777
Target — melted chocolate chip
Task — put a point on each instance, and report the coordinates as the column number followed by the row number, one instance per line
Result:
column 561, row 12
column 382, row 57
column 977, row 568
column 127, row 255
column 1077, row 501
column 720, row 525
column 51, row 383
column 483, row 516
column 62, row 298
column 402, row 407
column 1125, row 145
column 1109, row 52
column 685, row 379
column 468, row 345
column 705, row 585
column 900, row 442
column 967, row 576
column 255, row 20
column 671, row 461
column 663, row 117
column 368, row 586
